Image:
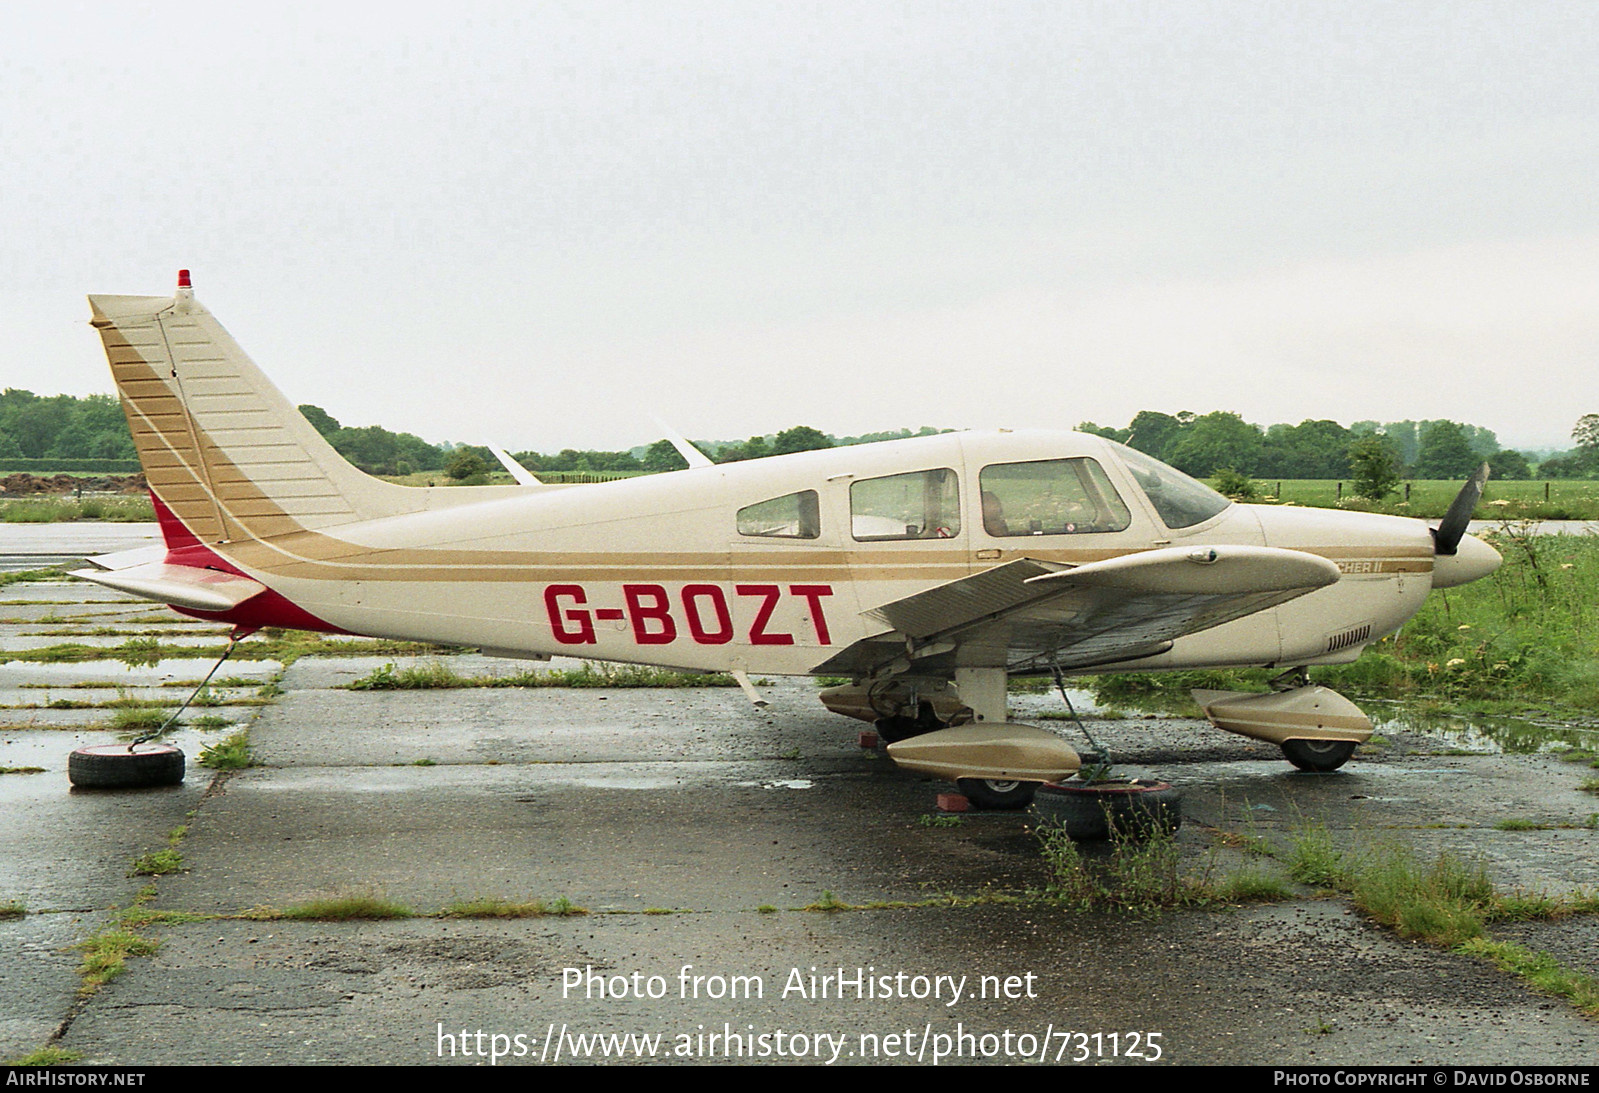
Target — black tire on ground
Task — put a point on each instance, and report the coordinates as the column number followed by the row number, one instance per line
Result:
column 994, row 794
column 894, row 729
column 1102, row 810
column 1318, row 755
column 899, row 727
column 113, row 766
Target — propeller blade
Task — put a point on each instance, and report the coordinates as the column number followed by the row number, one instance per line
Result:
column 1452, row 528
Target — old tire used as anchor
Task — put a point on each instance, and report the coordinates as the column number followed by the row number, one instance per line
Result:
column 116, row 766
column 1123, row 809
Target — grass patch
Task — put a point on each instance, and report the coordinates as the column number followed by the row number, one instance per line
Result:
column 105, row 956
column 334, row 909
column 1521, row 825
column 1140, row 876
column 930, row 819
column 1251, row 884
column 499, row 908
column 55, row 510
column 437, row 676
column 1445, row 902
column 1314, row 860
column 21, row 770
column 144, row 916
column 829, row 903
column 1590, row 785
column 140, row 720
column 1539, row 970
column 766, row 909
column 49, row 1055
column 13, row 908
column 284, row 646
column 232, row 753
column 52, row 573
column 157, row 863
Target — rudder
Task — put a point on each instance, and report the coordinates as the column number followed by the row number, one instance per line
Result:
column 221, row 447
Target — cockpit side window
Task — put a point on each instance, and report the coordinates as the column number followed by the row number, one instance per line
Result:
column 918, row 505
column 1181, row 501
column 792, row 516
column 1050, row 497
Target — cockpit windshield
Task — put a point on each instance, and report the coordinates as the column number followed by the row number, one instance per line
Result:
column 1181, row 501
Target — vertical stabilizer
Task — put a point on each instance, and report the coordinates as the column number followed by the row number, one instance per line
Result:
column 222, row 449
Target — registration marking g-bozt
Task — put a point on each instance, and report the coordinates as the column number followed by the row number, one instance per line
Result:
column 703, row 610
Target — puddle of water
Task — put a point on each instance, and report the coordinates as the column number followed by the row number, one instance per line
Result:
column 1492, row 735
column 627, row 781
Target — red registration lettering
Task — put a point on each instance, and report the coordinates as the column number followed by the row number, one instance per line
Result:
column 769, row 594
column 642, row 613
column 692, row 593
column 812, row 594
column 583, row 632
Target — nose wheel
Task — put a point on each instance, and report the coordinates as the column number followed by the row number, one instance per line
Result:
column 1318, row 756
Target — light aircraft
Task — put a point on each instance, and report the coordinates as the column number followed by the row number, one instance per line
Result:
column 926, row 571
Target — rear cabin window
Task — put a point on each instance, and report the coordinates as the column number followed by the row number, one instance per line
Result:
column 1050, row 497
column 919, row 505
column 792, row 516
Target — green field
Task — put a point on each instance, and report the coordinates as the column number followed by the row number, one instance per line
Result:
column 1561, row 499
column 1525, row 640
column 55, row 510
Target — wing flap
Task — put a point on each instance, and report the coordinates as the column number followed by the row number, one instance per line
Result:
column 1027, row 614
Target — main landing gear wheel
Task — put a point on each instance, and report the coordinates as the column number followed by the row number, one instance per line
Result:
column 114, row 766
column 994, row 794
column 1102, row 810
column 1318, row 755
column 899, row 727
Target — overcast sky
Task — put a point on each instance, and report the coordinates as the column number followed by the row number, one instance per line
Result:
column 539, row 224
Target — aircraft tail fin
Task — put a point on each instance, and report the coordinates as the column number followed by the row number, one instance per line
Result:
column 224, row 452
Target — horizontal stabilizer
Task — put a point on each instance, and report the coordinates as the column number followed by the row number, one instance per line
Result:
column 127, row 559
column 519, row 473
column 178, row 585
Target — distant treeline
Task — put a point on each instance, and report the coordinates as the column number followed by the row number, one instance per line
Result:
column 1204, row 444
column 67, row 427
column 62, row 427
column 376, row 450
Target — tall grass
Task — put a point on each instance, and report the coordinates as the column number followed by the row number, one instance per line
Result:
column 52, row 510
column 438, row 676
column 1528, row 634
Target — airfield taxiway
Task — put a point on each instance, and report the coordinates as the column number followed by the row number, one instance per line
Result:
column 695, row 831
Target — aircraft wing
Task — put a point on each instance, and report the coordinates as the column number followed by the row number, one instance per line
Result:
column 1027, row 615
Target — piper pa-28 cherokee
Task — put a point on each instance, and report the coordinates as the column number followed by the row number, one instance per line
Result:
column 927, row 571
